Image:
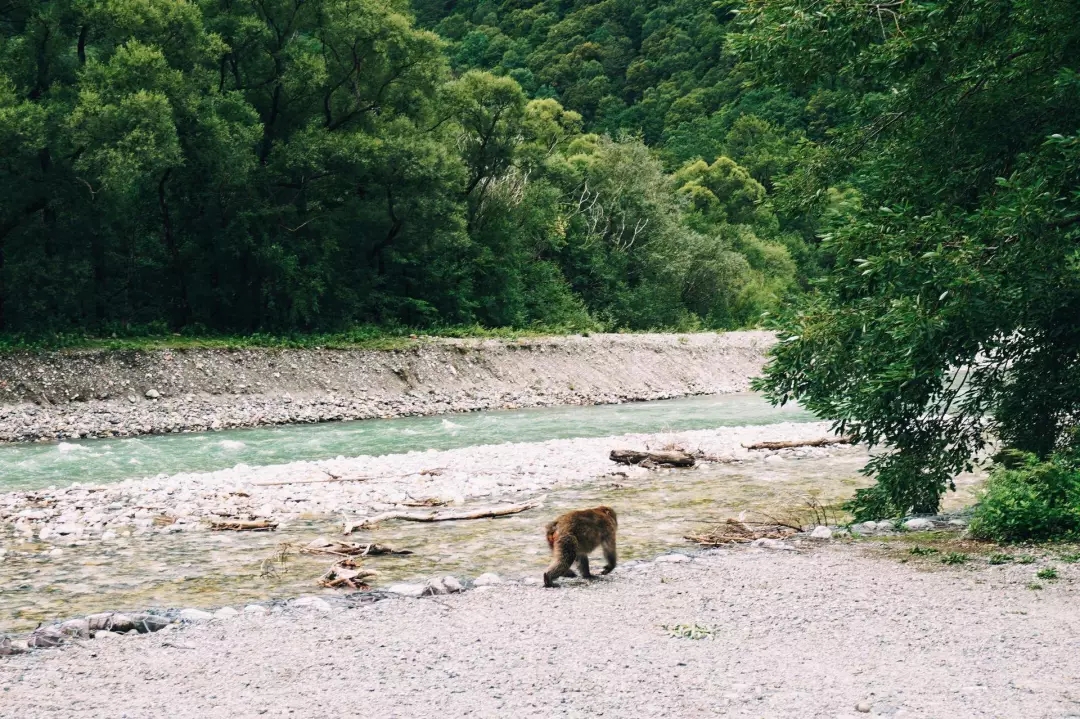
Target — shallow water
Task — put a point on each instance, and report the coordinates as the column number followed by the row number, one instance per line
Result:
column 33, row 466
column 210, row 569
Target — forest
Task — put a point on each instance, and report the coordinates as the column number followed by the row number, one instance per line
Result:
column 313, row 165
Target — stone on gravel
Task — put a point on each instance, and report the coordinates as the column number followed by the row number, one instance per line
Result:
column 225, row 613
column 255, row 609
column 143, row 623
column 672, row 558
column 8, row 648
column 488, row 579
column 918, row 524
column 408, row 590
column 452, row 584
column 317, row 603
column 766, row 543
column 435, row 586
column 105, row 634
column 863, row 707
column 821, row 532
column 76, row 628
column 45, row 637
column 152, row 394
column 195, row 615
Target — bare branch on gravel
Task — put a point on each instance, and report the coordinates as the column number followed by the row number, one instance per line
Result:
column 243, row 525
column 443, row 515
column 823, row 442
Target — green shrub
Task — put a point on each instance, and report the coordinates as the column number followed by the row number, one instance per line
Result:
column 1030, row 500
column 1047, row 573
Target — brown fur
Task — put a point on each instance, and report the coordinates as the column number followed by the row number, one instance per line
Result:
column 573, row 535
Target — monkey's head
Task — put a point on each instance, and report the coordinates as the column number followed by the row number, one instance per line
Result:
column 550, row 532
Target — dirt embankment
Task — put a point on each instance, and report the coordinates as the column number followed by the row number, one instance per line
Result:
column 66, row 395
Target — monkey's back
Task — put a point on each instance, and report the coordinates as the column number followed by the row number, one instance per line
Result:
column 587, row 527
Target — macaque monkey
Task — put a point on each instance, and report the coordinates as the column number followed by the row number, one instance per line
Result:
column 573, row 535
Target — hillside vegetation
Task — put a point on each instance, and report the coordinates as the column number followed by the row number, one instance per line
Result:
column 314, row 165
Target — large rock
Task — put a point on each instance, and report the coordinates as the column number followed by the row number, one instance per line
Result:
column 918, row 524
column 821, row 532
column 225, row 613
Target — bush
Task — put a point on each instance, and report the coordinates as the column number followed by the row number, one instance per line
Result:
column 1030, row 500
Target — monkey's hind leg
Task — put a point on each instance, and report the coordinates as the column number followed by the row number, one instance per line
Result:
column 583, row 566
column 564, row 550
column 609, row 555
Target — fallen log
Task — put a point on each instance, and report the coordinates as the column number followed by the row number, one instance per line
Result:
column 443, row 515
column 243, row 525
column 668, row 458
column 824, row 441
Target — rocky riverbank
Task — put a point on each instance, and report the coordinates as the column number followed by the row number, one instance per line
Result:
column 359, row 486
column 70, row 395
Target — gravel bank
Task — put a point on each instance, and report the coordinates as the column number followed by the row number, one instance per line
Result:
column 824, row 632
column 183, row 502
column 51, row 396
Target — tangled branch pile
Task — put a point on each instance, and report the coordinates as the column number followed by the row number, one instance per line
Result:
column 734, row 531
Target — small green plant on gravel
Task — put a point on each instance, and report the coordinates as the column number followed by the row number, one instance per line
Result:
column 1070, row 557
column 689, row 631
column 1025, row 559
column 1000, row 558
column 923, row 551
column 1034, row 586
column 954, row 558
column 1047, row 573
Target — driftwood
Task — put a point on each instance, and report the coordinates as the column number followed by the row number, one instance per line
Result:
column 352, row 549
column 243, row 525
column 346, row 575
column 335, row 478
column 443, row 515
column 328, row 480
column 666, row 458
column 824, row 441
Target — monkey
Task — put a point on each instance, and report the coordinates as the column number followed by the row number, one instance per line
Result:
column 573, row 535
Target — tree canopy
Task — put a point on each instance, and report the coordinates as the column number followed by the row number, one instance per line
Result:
column 952, row 311
column 240, row 165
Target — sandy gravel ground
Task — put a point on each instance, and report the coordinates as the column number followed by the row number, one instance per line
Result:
column 810, row 633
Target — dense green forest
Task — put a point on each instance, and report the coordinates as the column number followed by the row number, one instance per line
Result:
column 313, row 165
